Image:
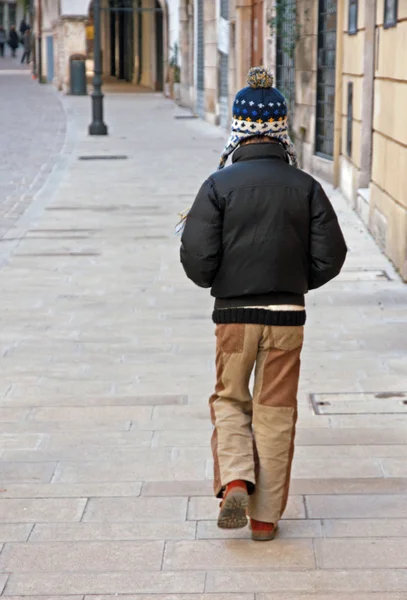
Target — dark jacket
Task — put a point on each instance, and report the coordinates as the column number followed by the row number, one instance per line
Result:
column 13, row 40
column 261, row 232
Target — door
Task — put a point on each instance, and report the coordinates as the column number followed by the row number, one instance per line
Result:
column 324, row 143
column 50, row 58
column 257, row 33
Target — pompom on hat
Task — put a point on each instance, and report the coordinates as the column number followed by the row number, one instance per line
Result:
column 259, row 110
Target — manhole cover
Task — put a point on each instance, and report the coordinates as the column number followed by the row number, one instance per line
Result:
column 358, row 275
column 104, row 157
column 368, row 403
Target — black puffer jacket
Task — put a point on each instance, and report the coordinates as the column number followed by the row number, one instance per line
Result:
column 261, row 232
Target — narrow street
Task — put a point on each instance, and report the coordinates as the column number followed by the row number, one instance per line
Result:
column 107, row 363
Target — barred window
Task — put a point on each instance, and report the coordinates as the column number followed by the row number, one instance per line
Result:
column 353, row 17
column 390, row 13
column 349, row 139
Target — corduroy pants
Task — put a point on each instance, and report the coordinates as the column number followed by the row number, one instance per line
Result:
column 253, row 439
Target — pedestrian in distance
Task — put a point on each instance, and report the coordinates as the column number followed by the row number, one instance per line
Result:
column 23, row 28
column 27, row 45
column 261, row 233
column 13, row 40
column 2, row 41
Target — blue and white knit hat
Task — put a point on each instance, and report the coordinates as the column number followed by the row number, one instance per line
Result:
column 259, row 110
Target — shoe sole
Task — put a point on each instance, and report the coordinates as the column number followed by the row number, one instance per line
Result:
column 264, row 536
column 233, row 513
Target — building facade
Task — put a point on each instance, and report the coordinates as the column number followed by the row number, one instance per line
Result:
column 11, row 14
column 138, row 39
column 336, row 63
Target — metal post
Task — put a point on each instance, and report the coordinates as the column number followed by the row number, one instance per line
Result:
column 32, row 17
column 39, row 61
column 97, row 127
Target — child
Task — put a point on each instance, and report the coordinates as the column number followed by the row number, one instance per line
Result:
column 261, row 233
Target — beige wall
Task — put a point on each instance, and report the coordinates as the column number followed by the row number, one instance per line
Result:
column 211, row 61
column 388, row 199
column 352, row 70
column 187, row 52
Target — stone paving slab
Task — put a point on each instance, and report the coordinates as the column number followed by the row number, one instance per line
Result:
column 361, row 554
column 324, row 487
column 71, row 490
column 356, row 507
column 136, row 509
column 158, row 529
column 337, row 596
column 181, row 597
column 380, row 581
column 14, row 532
column 41, row 510
column 129, row 470
column 9, row 415
column 26, row 472
column 15, row 398
column 13, row 441
column 98, row 414
column 82, row 557
column 365, row 528
column 243, row 555
column 148, row 582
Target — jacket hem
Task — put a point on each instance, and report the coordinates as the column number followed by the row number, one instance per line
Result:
column 259, row 316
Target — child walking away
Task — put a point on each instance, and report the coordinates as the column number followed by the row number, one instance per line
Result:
column 261, row 233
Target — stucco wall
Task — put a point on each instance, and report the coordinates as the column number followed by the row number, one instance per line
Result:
column 388, row 199
column 352, row 72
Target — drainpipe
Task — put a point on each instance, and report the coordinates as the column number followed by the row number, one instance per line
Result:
column 369, row 52
column 338, row 91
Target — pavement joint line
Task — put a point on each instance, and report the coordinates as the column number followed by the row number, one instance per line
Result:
column 3, row 588
column 30, row 533
column 84, row 510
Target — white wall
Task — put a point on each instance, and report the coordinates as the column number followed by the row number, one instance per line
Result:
column 173, row 16
column 75, row 8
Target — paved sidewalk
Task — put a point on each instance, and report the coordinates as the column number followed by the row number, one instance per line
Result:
column 107, row 364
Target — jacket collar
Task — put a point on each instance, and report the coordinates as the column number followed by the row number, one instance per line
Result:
column 262, row 150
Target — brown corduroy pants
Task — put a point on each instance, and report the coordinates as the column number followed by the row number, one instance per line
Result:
column 253, row 439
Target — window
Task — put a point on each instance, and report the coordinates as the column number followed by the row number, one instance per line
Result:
column 12, row 14
column 353, row 17
column 2, row 23
column 349, row 121
column 390, row 13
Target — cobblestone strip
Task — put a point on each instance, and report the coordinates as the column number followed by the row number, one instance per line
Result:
column 32, row 134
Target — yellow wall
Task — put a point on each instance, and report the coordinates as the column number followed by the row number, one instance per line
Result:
column 389, row 168
column 352, row 72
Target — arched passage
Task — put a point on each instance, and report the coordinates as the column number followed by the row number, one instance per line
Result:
column 135, row 41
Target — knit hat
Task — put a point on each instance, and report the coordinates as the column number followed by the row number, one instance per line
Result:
column 259, row 110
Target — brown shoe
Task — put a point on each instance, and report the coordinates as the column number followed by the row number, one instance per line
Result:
column 262, row 532
column 234, row 506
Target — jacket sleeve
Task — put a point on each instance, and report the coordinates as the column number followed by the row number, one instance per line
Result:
column 327, row 245
column 201, row 243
